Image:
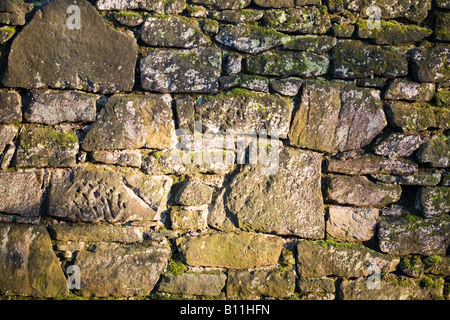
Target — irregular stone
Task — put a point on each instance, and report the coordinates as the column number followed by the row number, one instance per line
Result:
column 41, row 146
column 52, row 107
column 275, row 3
column 288, row 202
column 398, row 144
column 28, row 265
column 10, row 107
column 378, row 83
column 172, row 31
column 353, row 117
column 421, row 178
column 250, row 39
column 287, row 87
column 83, row 195
column 412, row 267
column 93, row 58
column 401, row 289
column 414, row 235
column 442, row 98
column 360, row 191
column 158, row 6
column 188, row 220
column 306, row 20
column 343, row 31
column 352, row 224
column 316, row 44
column 288, row 63
column 277, row 284
column 123, row 276
column 442, row 4
column 433, row 202
column 13, row 12
column 194, row 70
column 210, row 27
column 401, row 89
column 229, row 82
column 446, row 179
column 223, row 5
column 431, row 64
column 6, row 33
column 246, row 112
column 441, row 30
column 355, row 59
column 392, row 33
column 435, row 152
column 318, row 259
column 416, row 116
column 233, row 64
column 192, row 193
column 437, row 265
column 21, row 193
column 196, row 11
column 255, row 83
column 131, row 122
column 189, row 284
column 238, row 16
column 230, row 250
column 7, row 135
column 185, row 114
column 129, row 18
column 95, row 233
column 370, row 164
column 318, row 285
column 124, row 158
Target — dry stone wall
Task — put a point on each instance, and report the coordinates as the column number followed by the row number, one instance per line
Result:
column 103, row 103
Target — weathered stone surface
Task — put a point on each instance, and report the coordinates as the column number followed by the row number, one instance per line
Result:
column 6, row 33
column 194, row 70
column 10, row 107
column 336, row 117
column 354, row 59
column 172, row 31
column 287, row 87
column 253, row 284
column 318, row 285
column 231, row 250
column 189, row 220
column 414, row 235
column 433, row 202
column 21, row 192
column 129, row 18
column 442, row 98
column 28, row 265
column 360, row 191
column 95, row 57
column 237, row 16
column 431, row 64
column 84, row 195
column 288, row 202
column 392, row 33
column 441, row 30
column 117, row 270
column 350, row 224
column 125, row 158
column 442, row 4
column 369, row 164
column 222, row 5
column 288, row 63
column 95, row 233
column 317, row 259
column 306, row 20
column 13, row 12
column 256, row 83
column 7, row 135
column 245, row 111
column 250, row 39
column 158, row 6
column 424, row 178
column 41, row 146
column 131, row 122
column 192, row 193
column 398, row 144
column 188, row 284
column 416, row 116
column 317, row 44
column 435, row 152
column 275, row 3
column 392, row 289
column 343, row 30
column 412, row 267
column 437, row 265
column 401, row 89
column 52, row 107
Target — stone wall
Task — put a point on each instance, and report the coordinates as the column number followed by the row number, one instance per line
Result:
column 96, row 96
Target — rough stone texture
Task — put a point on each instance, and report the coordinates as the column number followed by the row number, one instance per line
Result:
column 317, row 44
column 288, row 202
column 10, row 107
column 414, row 235
column 222, row 5
column 13, row 12
column 392, row 33
column 21, row 192
column 360, row 191
column 188, row 284
column 195, row 70
column 158, row 6
column 401, row 89
column 237, row 16
column 318, row 285
column 434, row 202
column 252, row 284
column 172, row 31
column 398, row 144
column 95, row 233
column 355, row 59
column 435, row 152
column 287, row 87
column 52, row 107
column 350, row 224
column 125, row 158
column 189, row 220
column 28, row 265
column 192, row 193
column 117, row 270
column 306, row 20
column 315, row 260
column 7, row 134
column 231, row 250
column 426, row 178
column 442, row 26
column 439, row 266
column 431, row 64
column 353, row 117
column 79, row 59
column 369, row 164
column 41, row 146
column 131, row 122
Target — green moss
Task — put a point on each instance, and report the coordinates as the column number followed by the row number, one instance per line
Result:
column 129, row 14
column 176, row 267
column 433, row 260
column 432, row 283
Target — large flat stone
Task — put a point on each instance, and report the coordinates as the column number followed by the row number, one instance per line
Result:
column 433, row 202
column 435, row 152
column 94, row 58
column 189, row 284
column 431, row 64
column 370, row 164
column 10, row 107
column 95, row 233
